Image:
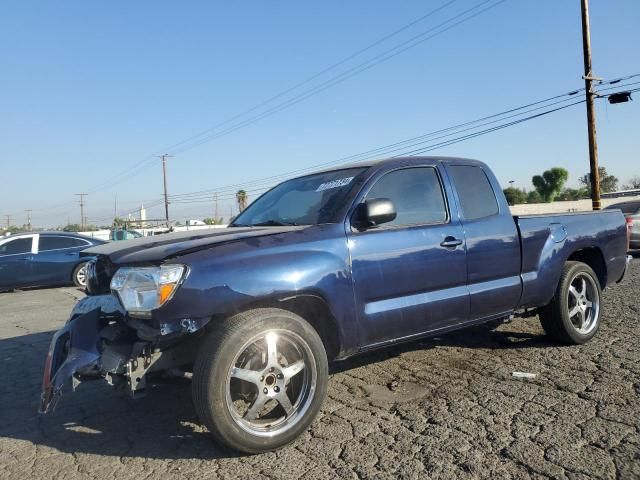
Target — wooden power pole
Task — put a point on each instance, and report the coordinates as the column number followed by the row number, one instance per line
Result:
column 215, row 213
column 164, row 177
column 82, row 219
column 591, row 114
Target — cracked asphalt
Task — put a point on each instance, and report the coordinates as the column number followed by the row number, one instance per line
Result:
column 448, row 407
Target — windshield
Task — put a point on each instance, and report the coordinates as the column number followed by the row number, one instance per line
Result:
column 309, row 200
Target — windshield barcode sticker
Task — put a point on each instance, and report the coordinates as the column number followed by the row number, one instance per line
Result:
column 334, row 184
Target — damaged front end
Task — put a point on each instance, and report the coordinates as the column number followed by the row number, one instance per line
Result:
column 102, row 341
column 65, row 358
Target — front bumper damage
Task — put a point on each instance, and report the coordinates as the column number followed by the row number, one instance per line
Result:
column 101, row 341
column 73, row 347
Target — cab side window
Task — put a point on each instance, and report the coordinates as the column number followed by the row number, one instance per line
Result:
column 416, row 194
column 17, row 246
column 477, row 198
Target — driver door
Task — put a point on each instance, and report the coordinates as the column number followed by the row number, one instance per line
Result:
column 410, row 274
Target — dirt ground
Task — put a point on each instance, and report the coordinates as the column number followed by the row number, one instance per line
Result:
column 447, row 407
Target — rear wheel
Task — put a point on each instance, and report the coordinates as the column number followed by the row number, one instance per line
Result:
column 79, row 275
column 573, row 315
column 260, row 379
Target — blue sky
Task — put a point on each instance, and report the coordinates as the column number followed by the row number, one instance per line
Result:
column 90, row 90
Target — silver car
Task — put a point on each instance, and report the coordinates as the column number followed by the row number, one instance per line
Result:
column 631, row 211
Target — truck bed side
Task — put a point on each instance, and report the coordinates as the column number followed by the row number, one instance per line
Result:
column 548, row 241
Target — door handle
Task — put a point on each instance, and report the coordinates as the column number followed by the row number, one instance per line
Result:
column 451, row 242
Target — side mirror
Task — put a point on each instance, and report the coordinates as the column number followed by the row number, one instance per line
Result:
column 374, row 212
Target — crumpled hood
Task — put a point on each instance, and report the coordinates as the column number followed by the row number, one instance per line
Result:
column 160, row 247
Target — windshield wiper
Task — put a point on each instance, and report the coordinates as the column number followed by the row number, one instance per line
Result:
column 274, row 223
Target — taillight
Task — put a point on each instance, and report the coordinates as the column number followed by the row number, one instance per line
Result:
column 629, row 227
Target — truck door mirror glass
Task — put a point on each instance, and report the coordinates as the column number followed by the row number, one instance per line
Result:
column 374, row 212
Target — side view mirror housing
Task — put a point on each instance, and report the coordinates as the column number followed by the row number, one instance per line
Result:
column 374, row 212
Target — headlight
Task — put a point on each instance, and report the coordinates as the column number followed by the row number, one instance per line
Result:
column 142, row 289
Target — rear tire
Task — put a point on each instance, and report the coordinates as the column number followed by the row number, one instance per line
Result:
column 79, row 275
column 260, row 379
column 573, row 315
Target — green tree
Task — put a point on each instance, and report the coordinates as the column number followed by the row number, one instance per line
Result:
column 534, row 197
column 212, row 221
column 119, row 222
column 608, row 183
column 242, row 199
column 12, row 229
column 515, row 196
column 550, row 183
column 72, row 227
column 573, row 194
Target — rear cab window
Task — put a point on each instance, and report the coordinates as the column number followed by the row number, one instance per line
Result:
column 477, row 198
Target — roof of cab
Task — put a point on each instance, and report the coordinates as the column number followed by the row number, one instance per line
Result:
column 401, row 161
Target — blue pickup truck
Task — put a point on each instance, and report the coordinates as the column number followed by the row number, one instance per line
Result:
column 320, row 268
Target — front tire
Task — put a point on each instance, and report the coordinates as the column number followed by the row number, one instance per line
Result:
column 573, row 315
column 260, row 379
column 79, row 275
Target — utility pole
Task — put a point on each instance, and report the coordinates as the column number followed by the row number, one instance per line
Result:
column 164, row 177
column 115, row 206
column 591, row 114
column 215, row 213
column 28, row 218
column 81, row 195
column 8, row 220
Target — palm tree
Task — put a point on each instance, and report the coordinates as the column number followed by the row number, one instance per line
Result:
column 241, row 198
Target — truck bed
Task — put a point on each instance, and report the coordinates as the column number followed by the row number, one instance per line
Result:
column 547, row 241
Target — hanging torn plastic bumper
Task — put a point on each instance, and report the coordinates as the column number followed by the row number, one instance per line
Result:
column 101, row 341
column 73, row 347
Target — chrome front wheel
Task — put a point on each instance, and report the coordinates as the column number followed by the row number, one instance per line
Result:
column 260, row 379
column 271, row 382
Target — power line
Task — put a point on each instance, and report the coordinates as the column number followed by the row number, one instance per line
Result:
column 380, row 58
column 486, row 131
column 138, row 167
column 617, row 87
column 378, row 150
column 316, row 75
column 434, row 146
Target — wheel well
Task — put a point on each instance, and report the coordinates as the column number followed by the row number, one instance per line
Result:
column 593, row 257
column 316, row 311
